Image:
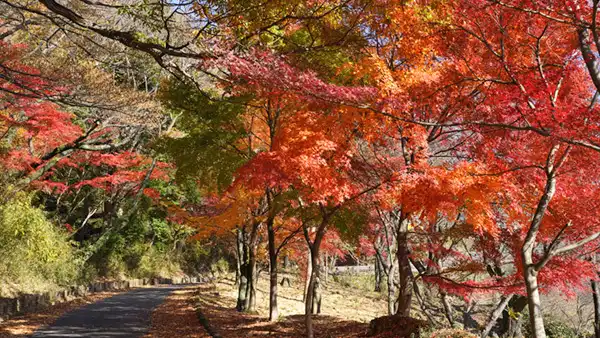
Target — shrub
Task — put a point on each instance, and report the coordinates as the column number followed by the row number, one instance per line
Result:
column 360, row 281
column 135, row 260
column 194, row 258
column 220, row 267
column 153, row 263
column 557, row 329
column 554, row 328
column 36, row 254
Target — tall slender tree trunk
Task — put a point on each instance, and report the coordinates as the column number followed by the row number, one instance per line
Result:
column 243, row 286
column 405, row 291
column 447, row 308
column 378, row 274
column 239, row 256
column 331, row 262
column 388, row 266
column 495, row 315
column 515, row 329
column 310, row 293
column 251, row 277
column 530, row 270
column 314, row 277
column 285, row 279
column 273, row 310
column 596, row 296
column 536, row 319
column 251, row 270
column 326, row 266
column 316, row 307
column 242, row 291
column 391, row 299
column 309, row 270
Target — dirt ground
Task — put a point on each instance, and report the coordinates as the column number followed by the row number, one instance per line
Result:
column 337, row 301
column 343, row 313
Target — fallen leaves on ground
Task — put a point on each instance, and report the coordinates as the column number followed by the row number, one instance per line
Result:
column 338, row 300
column 219, row 310
column 176, row 317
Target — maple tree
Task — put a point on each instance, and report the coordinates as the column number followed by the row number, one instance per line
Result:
column 470, row 122
column 39, row 136
column 49, row 150
column 528, row 100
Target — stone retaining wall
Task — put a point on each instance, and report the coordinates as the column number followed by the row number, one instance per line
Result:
column 27, row 303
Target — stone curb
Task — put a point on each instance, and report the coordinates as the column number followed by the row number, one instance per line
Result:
column 204, row 321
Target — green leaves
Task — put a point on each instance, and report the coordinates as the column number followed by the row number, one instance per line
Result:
column 145, row 12
column 350, row 222
column 208, row 148
column 33, row 250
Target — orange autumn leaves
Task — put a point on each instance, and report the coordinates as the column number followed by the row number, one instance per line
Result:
column 304, row 132
column 448, row 111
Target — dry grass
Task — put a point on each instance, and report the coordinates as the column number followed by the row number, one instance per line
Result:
column 337, row 301
column 176, row 317
column 345, row 312
column 25, row 325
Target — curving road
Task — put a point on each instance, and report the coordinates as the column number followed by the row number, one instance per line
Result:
column 124, row 315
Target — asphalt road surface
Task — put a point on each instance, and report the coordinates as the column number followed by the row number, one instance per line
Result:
column 124, row 315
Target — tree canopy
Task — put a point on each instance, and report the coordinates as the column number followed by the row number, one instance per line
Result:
column 454, row 141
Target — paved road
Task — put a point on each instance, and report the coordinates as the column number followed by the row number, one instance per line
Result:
column 124, row 315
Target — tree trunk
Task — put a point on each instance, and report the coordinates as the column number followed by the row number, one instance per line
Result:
column 536, row 319
column 530, row 270
column 387, row 266
column 310, row 292
column 512, row 323
column 251, row 271
column 308, row 274
column 391, row 299
column 273, row 310
column 378, row 274
column 242, row 291
column 243, row 286
column 495, row 315
column 326, row 267
column 286, row 263
column 515, row 329
column 596, row 290
column 251, row 290
column 468, row 321
column 404, row 271
column 447, row 308
column 314, row 277
column 239, row 256
column 316, row 307
column 591, row 61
